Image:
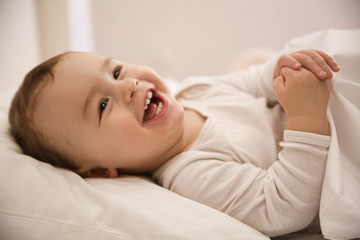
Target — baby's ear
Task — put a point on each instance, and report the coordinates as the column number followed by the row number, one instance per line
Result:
column 99, row 172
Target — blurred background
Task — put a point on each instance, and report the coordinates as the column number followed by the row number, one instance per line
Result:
column 176, row 38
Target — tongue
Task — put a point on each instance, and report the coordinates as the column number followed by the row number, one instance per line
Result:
column 150, row 112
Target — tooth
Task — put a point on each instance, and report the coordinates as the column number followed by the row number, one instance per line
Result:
column 159, row 108
column 147, row 101
column 149, row 95
column 146, row 107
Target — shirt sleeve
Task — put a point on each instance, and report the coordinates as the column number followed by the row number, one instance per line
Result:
column 281, row 199
column 256, row 80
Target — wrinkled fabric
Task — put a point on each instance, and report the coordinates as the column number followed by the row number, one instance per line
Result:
column 340, row 199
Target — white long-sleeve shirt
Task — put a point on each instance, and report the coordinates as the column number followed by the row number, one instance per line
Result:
column 243, row 162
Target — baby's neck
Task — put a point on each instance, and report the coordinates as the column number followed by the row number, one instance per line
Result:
column 193, row 122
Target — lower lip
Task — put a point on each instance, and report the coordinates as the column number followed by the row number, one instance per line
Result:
column 164, row 101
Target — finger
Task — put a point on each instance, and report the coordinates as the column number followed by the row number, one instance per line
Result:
column 279, row 83
column 287, row 72
column 329, row 60
column 285, row 61
column 314, row 63
column 321, row 62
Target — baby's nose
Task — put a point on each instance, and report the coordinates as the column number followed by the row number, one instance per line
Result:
column 129, row 87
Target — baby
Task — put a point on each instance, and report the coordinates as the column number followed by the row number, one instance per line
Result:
column 223, row 141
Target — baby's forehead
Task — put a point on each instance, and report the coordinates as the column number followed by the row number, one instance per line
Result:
column 77, row 64
column 81, row 57
column 73, row 77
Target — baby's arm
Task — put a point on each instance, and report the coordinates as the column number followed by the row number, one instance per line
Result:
column 257, row 80
column 304, row 98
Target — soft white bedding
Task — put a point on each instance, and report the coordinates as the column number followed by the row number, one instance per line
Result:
column 39, row 201
column 340, row 199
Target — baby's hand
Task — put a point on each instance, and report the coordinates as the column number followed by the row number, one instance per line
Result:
column 317, row 62
column 304, row 98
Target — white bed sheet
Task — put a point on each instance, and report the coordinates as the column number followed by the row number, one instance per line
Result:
column 340, row 199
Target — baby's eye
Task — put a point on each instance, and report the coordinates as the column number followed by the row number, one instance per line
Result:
column 116, row 73
column 102, row 106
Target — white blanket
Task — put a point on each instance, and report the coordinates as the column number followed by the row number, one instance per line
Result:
column 340, row 199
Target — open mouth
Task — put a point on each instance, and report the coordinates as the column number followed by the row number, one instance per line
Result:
column 153, row 106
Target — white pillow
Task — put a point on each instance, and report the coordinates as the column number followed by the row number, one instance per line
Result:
column 39, row 201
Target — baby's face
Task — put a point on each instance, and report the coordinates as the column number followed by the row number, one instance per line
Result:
column 110, row 115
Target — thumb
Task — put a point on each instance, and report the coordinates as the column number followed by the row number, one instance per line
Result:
column 287, row 72
column 279, row 83
column 285, row 61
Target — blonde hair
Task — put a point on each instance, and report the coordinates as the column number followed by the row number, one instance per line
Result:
column 21, row 112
